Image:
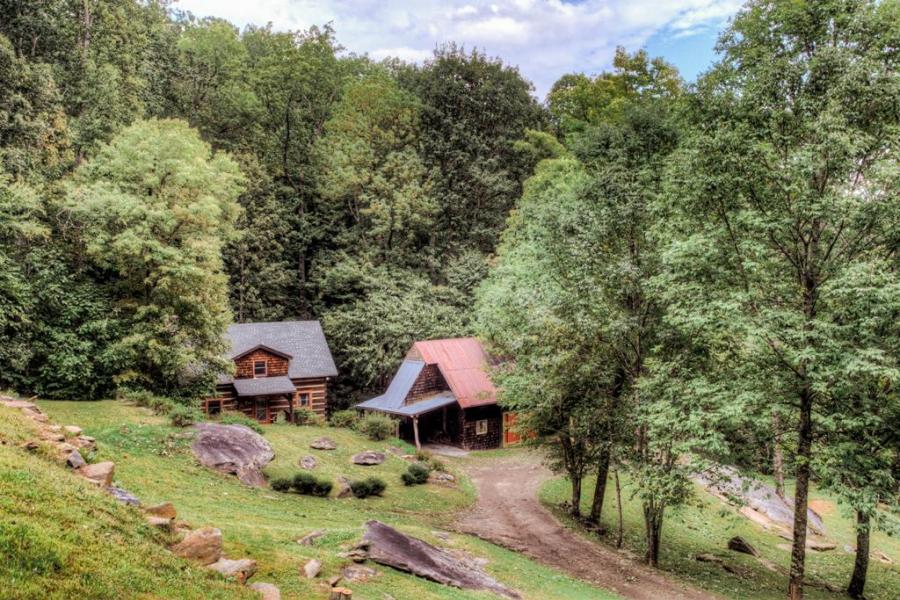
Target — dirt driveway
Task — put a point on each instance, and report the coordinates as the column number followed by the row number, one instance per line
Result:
column 508, row 513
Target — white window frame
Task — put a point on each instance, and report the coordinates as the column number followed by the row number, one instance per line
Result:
column 265, row 365
column 481, row 427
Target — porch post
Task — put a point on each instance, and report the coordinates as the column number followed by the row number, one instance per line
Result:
column 291, row 407
column 416, row 432
column 445, row 419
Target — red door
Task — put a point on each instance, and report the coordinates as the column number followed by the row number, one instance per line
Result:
column 510, row 435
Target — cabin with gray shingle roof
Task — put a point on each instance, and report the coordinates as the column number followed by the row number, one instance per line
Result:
column 279, row 367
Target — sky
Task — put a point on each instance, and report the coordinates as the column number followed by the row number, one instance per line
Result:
column 543, row 38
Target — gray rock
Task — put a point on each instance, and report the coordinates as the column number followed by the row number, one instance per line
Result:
column 323, row 443
column 389, row 547
column 309, row 538
column 739, row 544
column 122, row 495
column 343, row 488
column 74, row 460
column 233, row 449
column 267, row 591
column 308, row 462
column 368, row 458
column 358, row 573
column 312, row 568
column 241, row 569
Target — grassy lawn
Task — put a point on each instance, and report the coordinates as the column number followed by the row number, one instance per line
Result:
column 707, row 525
column 154, row 462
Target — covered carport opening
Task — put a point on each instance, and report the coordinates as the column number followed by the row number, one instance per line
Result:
column 431, row 419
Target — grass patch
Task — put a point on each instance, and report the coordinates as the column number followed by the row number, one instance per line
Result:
column 154, row 462
column 60, row 537
column 706, row 527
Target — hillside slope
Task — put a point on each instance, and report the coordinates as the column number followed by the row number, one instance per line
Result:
column 61, row 537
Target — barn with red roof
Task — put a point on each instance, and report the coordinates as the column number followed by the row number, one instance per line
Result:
column 443, row 393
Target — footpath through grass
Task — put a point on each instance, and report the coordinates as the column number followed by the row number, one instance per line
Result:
column 153, row 461
column 707, row 525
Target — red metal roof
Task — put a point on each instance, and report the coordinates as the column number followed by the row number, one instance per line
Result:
column 464, row 364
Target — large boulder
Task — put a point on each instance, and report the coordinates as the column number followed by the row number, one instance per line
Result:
column 74, row 460
column 368, row 458
column 389, row 547
column 203, row 545
column 758, row 501
column 233, row 449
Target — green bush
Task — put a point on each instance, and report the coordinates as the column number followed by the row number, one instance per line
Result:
column 370, row 486
column 158, row 404
column 376, row 427
column 307, row 416
column 310, row 485
column 416, row 474
column 238, row 418
column 184, row 416
column 345, row 418
column 281, row 484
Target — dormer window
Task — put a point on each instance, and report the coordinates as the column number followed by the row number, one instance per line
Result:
column 259, row 368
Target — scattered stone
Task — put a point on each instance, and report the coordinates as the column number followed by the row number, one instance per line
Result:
column 65, row 448
column 84, row 442
column 165, row 510
column 23, row 404
column 233, row 449
column 334, row 580
column 882, row 557
column 819, row 545
column 323, row 443
column 441, row 535
column 159, row 522
column 368, row 458
column 309, row 538
column 122, row 495
column 73, row 430
column 739, row 544
column 440, row 477
column 267, row 591
column 358, row 555
column 31, row 446
column 241, row 569
column 203, row 545
column 344, row 490
column 389, row 547
column 100, row 473
column 312, row 568
column 710, row 558
column 74, row 460
column 358, row 573
column 308, row 462
column 52, row 436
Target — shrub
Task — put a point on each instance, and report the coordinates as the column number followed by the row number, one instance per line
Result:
column 281, row 484
column 158, row 404
column 306, row 416
column 376, row 427
column 416, row 474
column 370, row 486
column 237, row 418
column 310, row 485
column 184, row 416
column 344, row 418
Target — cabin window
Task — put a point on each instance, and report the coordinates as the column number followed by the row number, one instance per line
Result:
column 304, row 399
column 213, row 407
column 259, row 368
column 481, row 427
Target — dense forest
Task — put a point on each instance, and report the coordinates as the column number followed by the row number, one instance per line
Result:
column 679, row 274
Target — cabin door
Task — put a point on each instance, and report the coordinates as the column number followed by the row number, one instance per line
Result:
column 261, row 410
column 510, row 436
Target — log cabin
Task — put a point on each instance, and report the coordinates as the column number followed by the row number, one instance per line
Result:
column 279, row 367
column 443, row 393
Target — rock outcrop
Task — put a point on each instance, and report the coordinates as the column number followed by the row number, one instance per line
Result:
column 323, row 443
column 389, row 547
column 233, row 449
column 240, row 569
column 368, row 458
column 100, row 473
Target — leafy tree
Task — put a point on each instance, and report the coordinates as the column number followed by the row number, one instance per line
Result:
column 157, row 207
column 787, row 185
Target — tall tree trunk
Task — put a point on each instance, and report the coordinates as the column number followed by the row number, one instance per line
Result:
column 619, row 528
column 575, row 511
column 861, row 565
column 801, row 496
column 600, row 486
column 653, row 520
column 777, row 456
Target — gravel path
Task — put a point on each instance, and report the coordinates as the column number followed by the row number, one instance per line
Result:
column 508, row 513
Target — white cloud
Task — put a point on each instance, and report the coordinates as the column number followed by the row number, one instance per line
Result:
column 544, row 38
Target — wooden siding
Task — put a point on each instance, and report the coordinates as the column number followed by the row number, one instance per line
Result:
column 429, row 382
column 468, row 421
column 316, row 388
column 276, row 366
